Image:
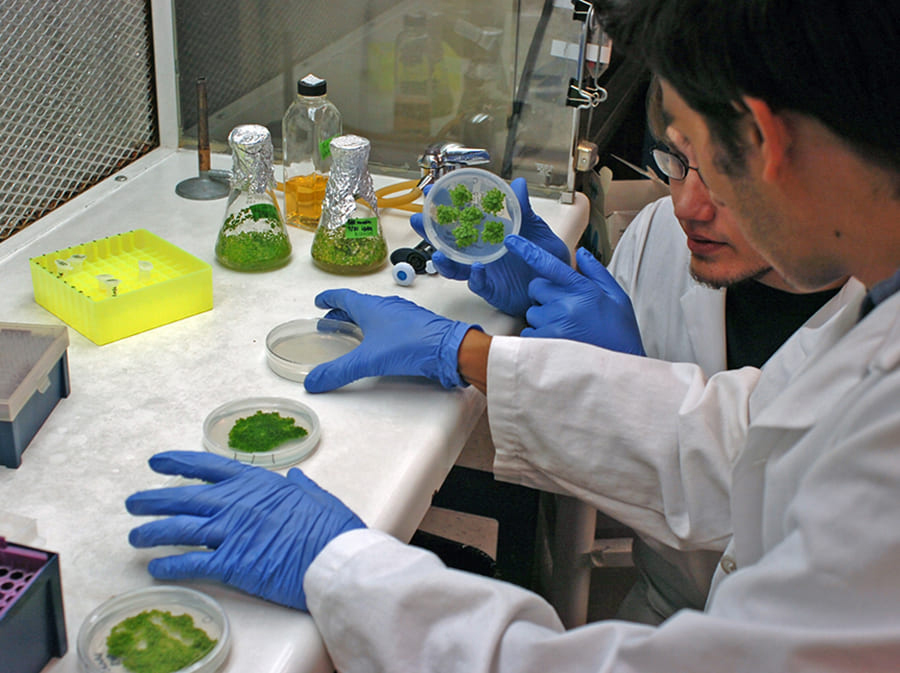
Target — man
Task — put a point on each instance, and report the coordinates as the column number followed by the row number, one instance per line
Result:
column 808, row 506
column 732, row 310
column 676, row 279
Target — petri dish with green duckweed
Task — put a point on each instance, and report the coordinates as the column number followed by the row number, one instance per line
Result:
column 262, row 431
column 160, row 629
column 467, row 214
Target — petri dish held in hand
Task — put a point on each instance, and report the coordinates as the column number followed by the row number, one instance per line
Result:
column 467, row 214
column 271, row 432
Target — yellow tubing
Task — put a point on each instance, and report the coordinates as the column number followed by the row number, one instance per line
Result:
column 402, row 202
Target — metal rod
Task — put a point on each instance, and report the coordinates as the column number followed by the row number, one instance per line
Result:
column 208, row 184
column 202, row 126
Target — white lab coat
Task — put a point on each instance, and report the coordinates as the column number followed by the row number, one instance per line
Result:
column 813, row 501
column 661, row 413
column 682, row 320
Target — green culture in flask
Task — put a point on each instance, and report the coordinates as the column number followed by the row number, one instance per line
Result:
column 253, row 236
column 349, row 239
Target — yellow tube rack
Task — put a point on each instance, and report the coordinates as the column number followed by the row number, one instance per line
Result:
column 121, row 285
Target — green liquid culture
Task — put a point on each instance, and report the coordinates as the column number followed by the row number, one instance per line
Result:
column 253, row 239
column 154, row 641
column 253, row 236
column 349, row 239
column 346, row 250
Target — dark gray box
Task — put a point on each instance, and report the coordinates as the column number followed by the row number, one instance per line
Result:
column 34, row 376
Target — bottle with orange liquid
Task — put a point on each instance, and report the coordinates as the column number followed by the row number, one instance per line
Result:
column 307, row 129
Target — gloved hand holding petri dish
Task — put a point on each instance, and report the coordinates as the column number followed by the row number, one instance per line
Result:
column 467, row 214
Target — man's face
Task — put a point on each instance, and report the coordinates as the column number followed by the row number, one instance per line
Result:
column 771, row 222
column 720, row 255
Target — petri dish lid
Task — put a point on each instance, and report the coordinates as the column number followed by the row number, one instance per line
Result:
column 221, row 419
column 294, row 348
column 479, row 182
column 207, row 614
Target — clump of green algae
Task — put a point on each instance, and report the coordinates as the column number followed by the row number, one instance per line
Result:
column 263, row 431
column 494, row 232
column 471, row 215
column 460, row 196
column 154, row 641
column 465, row 234
column 492, row 201
column 446, row 215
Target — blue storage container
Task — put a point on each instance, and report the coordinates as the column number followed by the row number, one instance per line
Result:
column 34, row 376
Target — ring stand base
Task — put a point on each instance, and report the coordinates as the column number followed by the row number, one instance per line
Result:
column 205, row 187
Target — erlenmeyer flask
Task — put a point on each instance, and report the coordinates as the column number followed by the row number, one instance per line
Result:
column 252, row 236
column 349, row 239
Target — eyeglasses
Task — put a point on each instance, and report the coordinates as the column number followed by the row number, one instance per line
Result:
column 673, row 166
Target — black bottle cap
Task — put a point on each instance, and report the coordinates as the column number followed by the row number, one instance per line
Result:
column 312, row 86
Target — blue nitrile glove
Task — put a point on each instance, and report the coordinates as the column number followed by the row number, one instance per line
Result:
column 589, row 306
column 399, row 339
column 263, row 529
column 502, row 283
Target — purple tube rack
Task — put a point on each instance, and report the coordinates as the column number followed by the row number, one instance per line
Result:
column 18, row 569
column 32, row 623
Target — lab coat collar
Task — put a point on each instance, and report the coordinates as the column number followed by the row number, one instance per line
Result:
column 846, row 354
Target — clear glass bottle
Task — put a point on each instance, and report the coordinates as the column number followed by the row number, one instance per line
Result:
column 307, row 128
column 485, row 99
column 413, row 51
column 442, row 100
column 252, row 236
column 349, row 239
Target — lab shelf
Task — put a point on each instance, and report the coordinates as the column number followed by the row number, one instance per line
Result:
column 121, row 285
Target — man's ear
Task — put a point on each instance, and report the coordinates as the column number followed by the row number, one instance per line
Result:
column 772, row 136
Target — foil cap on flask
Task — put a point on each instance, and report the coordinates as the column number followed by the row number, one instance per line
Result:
column 349, row 180
column 252, row 158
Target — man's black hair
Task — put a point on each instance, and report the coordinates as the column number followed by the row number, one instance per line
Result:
column 833, row 60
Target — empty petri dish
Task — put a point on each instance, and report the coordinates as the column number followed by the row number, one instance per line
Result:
column 205, row 613
column 221, row 420
column 467, row 214
column 294, row 348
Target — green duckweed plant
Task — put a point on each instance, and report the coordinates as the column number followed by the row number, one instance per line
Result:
column 263, row 431
column 155, row 641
